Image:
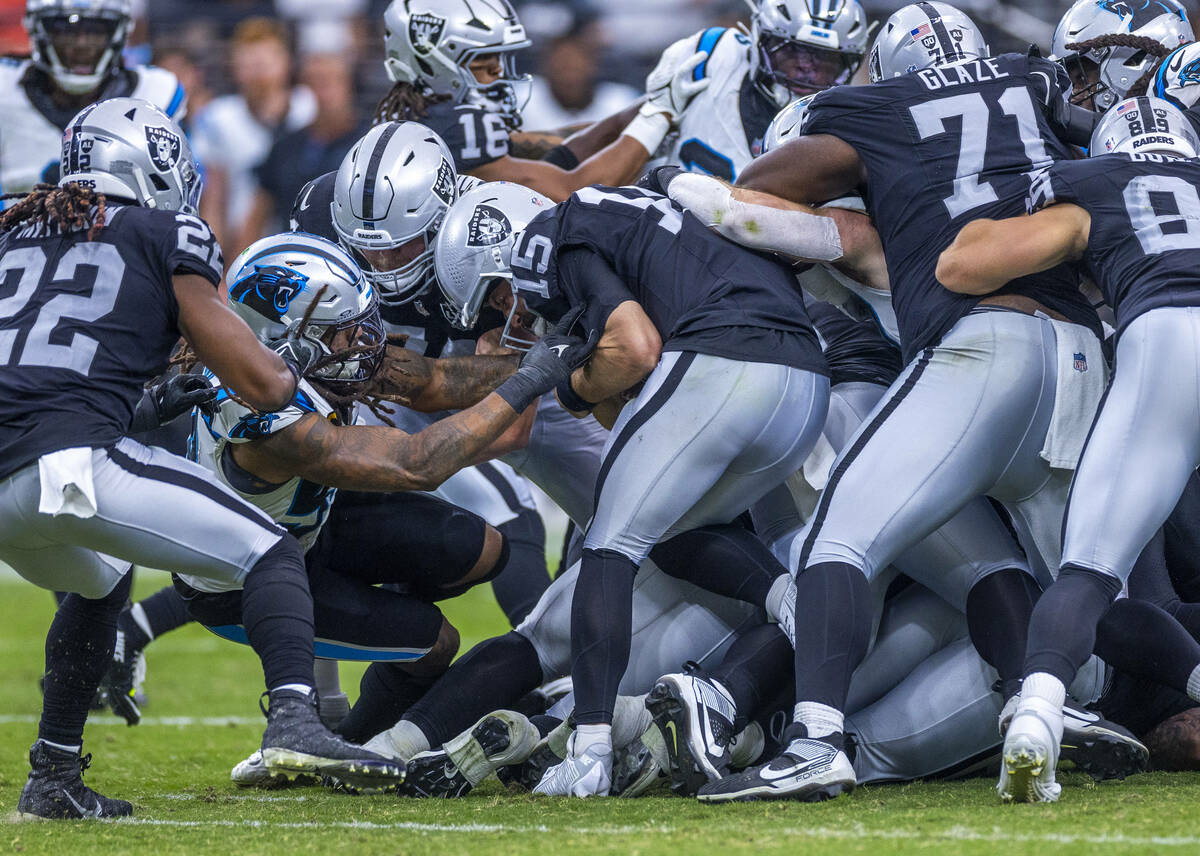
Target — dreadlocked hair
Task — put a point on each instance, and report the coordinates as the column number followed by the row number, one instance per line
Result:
column 186, row 360
column 70, row 208
column 1153, row 47
column 406, row 103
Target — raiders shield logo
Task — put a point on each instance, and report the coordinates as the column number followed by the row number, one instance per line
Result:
column 164, row 148
column 443, row 188
column 425, row 31
column 488, row 227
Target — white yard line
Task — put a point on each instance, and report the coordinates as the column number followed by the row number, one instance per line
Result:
column 172, row 721
column 854, row 833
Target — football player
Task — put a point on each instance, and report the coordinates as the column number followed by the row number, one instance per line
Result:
column 112, row 267
column 76, row 61
column 1129, row 214
column 453, row 66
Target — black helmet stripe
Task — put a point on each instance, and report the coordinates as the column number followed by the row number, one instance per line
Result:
column 76, row 130
column 373, row 170
column 1146, row 113
column 950, row 48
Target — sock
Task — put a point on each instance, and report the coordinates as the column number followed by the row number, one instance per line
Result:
column 408, row 739
column 326, row 673
column 999, row 607
column 1045, row 687
column 302, row 689
column 135, row 626
column 385, row 694
column 1140, row 639
column 630, row 720
column 79, row 650
column 162, row 612
column 728, row 560
column 277, row 613
column 757, row 662
column 820, row 720
column 494, row 674
column 776, row 596
column 748, row 746
column 1062, row 631
column 524, row 576
column 587, row 736
column 833, row 630
column 601, row 633
column 545, row 723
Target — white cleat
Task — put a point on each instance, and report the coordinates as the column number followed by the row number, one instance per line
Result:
column 786, row 619
column 1030, row 755
column 586, row 775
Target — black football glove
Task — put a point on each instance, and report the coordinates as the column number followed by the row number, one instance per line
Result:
column 659, row 179
column 299, row 354
column 549, row 362
column 170, row 399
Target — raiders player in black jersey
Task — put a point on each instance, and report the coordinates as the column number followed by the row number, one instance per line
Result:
column 109, row 275
column 452, row 63
column 1131, row 215
column 980, row 431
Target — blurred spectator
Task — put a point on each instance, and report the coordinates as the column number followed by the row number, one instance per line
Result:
column 180, row 62
column 234, row 133
column 314, row 150
column 568, row 90
column 13, row 38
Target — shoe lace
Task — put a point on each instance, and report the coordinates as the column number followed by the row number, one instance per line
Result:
column 85, row 761
column 262, row 706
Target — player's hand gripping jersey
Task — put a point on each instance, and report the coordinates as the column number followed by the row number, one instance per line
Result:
column 975, row 132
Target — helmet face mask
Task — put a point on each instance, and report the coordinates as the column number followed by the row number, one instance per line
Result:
column 802, row 47
column 78, row 44
column 803, row 69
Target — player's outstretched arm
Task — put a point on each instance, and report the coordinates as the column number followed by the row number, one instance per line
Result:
column 987, row 254
column 809, row 170
column 228, row 348
column 432, row 385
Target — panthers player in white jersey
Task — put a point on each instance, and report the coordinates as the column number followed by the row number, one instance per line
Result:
column 76, row 61
column 795, row 48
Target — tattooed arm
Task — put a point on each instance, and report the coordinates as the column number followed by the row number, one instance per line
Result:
column 430, row 385
column 532, row 145
column 373, row 458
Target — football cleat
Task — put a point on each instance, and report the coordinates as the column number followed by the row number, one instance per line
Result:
column 527, row 774
column 1096, row 746
column 808, row 770
column 253, row 773
column 786, row 619
column 635, row 769
column 121, row 681
column 297, row 743
column 55, row 788
column 1030, row 755
column 695, row 716
column 499, row 739
column 585, row 775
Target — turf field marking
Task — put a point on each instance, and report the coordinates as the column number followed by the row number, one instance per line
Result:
column 954, row 833
column 240, row 797
column 172, row 721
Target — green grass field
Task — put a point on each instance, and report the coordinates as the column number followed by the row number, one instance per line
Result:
column 203, row 718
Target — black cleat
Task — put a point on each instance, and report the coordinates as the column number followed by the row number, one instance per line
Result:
column 55, row 788
column 695, row 717
column 118, row 682
column 807, row 770
column 1102, row 749
column 297, row 743
column 500, row 739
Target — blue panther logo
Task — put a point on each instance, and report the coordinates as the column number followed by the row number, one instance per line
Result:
column 270, row 290
column 1190, row 73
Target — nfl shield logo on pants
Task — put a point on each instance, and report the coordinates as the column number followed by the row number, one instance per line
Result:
column 1080, row 363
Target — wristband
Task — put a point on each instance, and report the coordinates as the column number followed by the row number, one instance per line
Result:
column 562, row 157
column 572, row 400
column 649, row 129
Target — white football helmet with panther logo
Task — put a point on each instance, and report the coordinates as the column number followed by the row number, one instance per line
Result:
column 128, row 148
column 430, row 43
column 804, row 46
column 1115, row 69
column 924, row 35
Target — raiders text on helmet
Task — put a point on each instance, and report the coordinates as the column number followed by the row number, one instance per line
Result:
column 128, row 148
column 924, row 35
column 430, row 43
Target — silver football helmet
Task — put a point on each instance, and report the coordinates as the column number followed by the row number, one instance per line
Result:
column 391, row 192
column 430, row 43
column 804, row 46
column 98, row 29
column 473, row 250
column 127, row 147
column 274, row 283
column 924, row 35
column 1104, row 75
column 1145, row 124
column 786, row 123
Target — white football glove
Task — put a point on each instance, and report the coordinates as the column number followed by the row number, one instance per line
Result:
column 670, row 87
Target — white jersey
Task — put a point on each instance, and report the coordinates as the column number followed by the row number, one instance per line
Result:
column 300, row 506
column 722, row 129
column 31, row 134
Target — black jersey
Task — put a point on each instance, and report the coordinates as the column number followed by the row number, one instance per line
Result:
column 703, row 293
column 86, row 323
column 855, row 349
column 1144, row 248
column 941, row 147
column 474, row 136
column 421, row 318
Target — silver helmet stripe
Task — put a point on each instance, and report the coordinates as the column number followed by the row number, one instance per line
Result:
column 950, row 48
column 373, row 171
